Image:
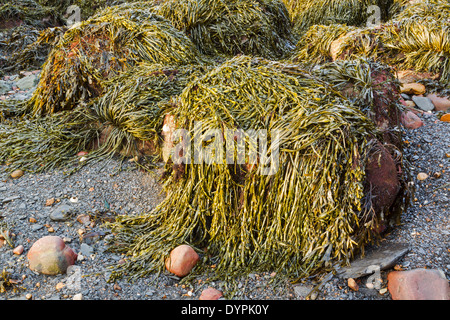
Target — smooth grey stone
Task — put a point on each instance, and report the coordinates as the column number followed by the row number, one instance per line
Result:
column 62, row 213
column 423, row 103
column 27, row 82
column 86, row 250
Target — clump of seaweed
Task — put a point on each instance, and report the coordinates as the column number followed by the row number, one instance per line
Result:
column 260, row 27
column 421, row 44
column 7, row 283
column 100, row 48
column 131, row 112
column 306, row 13
column 304, row 215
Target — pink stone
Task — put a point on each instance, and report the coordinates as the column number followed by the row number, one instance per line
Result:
column 211, row 294
column 181, row 261
column 18, row 250
column 411, row 120
column 418, row 284
column 50, row 255
column 440, row 103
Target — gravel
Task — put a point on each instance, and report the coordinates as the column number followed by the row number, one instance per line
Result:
column 101, row 189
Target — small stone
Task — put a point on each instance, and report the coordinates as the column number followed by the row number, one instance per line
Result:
column 413, row 88
column 86, row 250
column 410, row 120
column 73, row 199
column 18, row 250
column 50, row 255
column 78, row 296
column 51, row 229
column 383, row 291
column 49, row 202
column 418, row 284
column 182, row 260
column 26, row 82
column 423, row 103
column 437, row 175
column 82, row 153
column 405, row 96
column 61, row 212
column 352, row 284
column 59, row 286
column 32, row 220
column 422, row 176
column 17, row 174
column 446, row 117
column 84, row 219
column 28, row 296
column 211, row 294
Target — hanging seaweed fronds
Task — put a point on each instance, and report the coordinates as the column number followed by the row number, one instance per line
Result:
column 41, row 144
column 420, row 44
column 131, row 112
column 293, row 221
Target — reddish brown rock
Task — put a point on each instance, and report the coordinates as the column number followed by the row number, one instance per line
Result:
column 418, row 284
column 440, row 103
column 211, row 294
column 382, row 179
column 50, row 255
column 181, row 261
column 410, row 120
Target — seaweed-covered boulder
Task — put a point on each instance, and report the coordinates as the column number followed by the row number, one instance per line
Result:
column 97, row 49
column 260, row 27
column 311, row 208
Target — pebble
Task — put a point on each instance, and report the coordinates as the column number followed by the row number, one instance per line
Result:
column 61, row 213
column 86, row 250
column 446, row 117
column 422, row 176
column 352, row 284
column 78, row 296
column 17, row 174
column 18, row 250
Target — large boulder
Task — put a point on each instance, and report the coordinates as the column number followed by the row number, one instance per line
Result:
column 50, row 255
